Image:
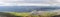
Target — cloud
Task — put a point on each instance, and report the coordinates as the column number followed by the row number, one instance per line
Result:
column 20, row 3
column 33, row 1
column 7, row 2
column 24, row 2
column 30, row 4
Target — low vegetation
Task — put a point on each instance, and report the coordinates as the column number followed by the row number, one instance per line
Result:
column 24, row 14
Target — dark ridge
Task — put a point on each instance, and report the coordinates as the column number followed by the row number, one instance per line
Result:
column 56, row 16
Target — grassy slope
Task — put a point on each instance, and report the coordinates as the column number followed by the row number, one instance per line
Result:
column 20, row 14
column 27, row 14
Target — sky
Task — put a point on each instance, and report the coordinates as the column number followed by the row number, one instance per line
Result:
column 26, row 2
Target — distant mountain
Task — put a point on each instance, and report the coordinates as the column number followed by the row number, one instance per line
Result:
column 25, row 8
column 17, row 8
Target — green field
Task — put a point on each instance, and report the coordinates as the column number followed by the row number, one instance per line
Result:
column 28, row 14
column 25, row 14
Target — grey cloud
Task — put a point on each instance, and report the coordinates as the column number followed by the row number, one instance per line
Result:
column 35, row 1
